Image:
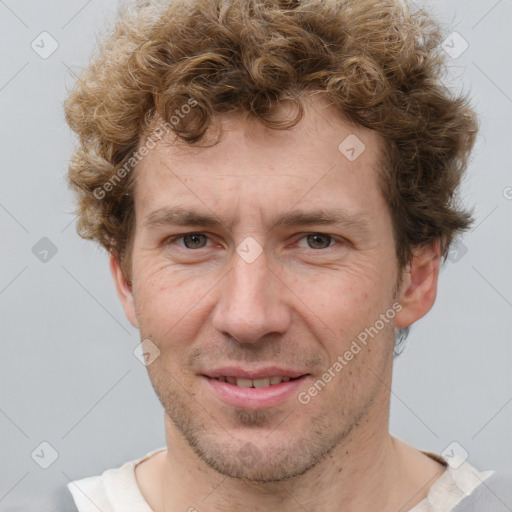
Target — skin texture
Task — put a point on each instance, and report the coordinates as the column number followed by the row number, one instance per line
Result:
column 295, row 305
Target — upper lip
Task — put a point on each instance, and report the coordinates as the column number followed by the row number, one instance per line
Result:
column 260, row 373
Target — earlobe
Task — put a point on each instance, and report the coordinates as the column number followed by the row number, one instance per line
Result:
column 419, row 284
column 124, row 289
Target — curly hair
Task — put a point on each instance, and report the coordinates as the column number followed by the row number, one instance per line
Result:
column 378, row 63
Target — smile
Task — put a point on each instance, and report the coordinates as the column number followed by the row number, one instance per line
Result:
column 255, row 393
column 254, row 383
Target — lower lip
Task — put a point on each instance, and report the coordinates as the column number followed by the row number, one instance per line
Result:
column 255, row 398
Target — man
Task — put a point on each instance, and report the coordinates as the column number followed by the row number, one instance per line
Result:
column 274, row 182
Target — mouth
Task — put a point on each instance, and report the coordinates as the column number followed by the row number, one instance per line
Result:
column 254, row 389
column 255, row 383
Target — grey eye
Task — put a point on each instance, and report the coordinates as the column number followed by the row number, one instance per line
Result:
column 194, row 241
column 319, row 241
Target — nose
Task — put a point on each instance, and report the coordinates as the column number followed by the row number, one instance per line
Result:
column 252, row 302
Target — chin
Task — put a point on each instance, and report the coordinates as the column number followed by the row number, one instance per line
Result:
column 257, row 459
column 266, row 469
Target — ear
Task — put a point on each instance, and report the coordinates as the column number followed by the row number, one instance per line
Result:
column 124, row 290
column 419, row 284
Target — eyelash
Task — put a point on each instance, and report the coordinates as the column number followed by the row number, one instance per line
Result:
column 170, row 240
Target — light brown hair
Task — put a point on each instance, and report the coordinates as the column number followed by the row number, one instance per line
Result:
column 376, row 62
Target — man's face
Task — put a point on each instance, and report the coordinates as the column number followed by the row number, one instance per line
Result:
column 266, row 293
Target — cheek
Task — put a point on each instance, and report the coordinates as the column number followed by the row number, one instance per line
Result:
column 346, row 295
column 161, row 295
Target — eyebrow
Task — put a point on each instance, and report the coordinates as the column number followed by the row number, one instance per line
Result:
column 178, row 216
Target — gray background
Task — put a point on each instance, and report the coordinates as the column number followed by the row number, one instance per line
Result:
column 68, row 373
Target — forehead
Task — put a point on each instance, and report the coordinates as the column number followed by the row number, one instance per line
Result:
column 320, row 160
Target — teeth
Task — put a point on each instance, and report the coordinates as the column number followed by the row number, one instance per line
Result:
column 261, row 383
column 254, row 383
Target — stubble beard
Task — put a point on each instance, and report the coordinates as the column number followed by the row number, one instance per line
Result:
column 236, row 456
